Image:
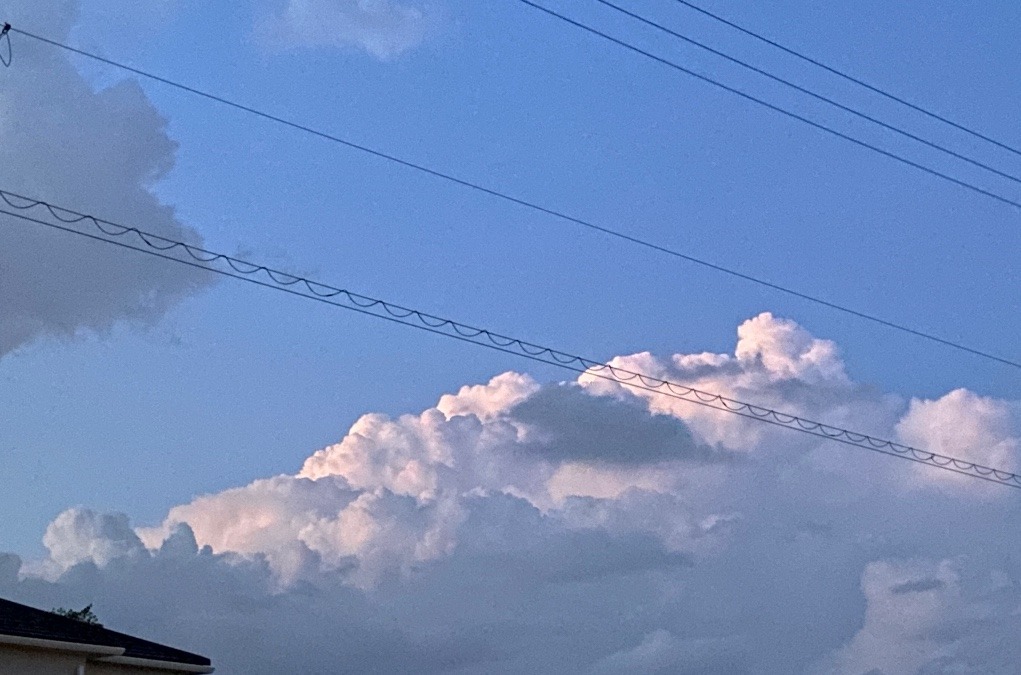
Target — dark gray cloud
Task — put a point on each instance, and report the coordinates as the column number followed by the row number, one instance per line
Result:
column 918, row 586
column 575, row 425
column 97, row 152
column 520, row 542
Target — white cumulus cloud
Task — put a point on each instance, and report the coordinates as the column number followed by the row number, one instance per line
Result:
column 967, row 426
column 382, row 28
column 930, row 617
column 578, row 528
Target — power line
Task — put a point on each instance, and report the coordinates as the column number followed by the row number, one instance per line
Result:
column 775, row 108
column 850, row 78
column 152, row 244
column 776, row 78
column 534, row 206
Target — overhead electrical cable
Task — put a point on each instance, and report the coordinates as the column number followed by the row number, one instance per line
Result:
column 439, row 174
column 133, row 238
column 808, row 92
column 851, row 78
column 534, row 206
column 783, row 111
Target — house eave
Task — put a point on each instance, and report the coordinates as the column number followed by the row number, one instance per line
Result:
column 152, row 663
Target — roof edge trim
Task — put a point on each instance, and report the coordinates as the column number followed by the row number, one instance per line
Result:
column 152, row 663
column 61, row 645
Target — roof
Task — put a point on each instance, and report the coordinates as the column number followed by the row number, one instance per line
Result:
column 28, row 622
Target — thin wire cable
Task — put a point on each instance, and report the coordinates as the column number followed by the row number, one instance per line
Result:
column 851, row 78
column 5, row 36
column 775, row 108
column 610, row 232
column 200, row 258
column 836, row 104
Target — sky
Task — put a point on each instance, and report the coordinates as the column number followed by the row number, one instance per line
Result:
column 203, row 459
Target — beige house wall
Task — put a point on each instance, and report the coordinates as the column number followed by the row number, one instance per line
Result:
column 21, row 661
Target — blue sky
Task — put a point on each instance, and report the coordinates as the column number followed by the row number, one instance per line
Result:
column 235, row 383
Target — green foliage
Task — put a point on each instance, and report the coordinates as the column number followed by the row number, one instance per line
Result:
column 85, row 615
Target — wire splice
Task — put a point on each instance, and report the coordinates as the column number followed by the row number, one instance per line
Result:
column 5, row 35
column 261, row 275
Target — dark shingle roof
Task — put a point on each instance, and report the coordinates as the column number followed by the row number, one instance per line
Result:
column 24, row 621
